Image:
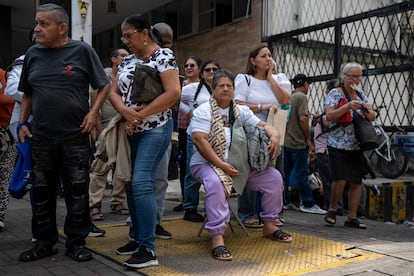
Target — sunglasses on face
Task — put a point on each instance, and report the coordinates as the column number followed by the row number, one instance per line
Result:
column 191, row 65
column 211, row 69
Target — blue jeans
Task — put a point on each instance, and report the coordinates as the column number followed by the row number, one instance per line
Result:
column 191, row 185
column 248, row 204
column 147, row 149
column 161, row 183
column 295, row 163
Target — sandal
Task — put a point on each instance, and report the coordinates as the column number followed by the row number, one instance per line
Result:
column 280, row 236
column 354, row 223
column 37, row 252
column 96, row 214
column 119, row 210
column 221, row 253
column 330, row 218
column 279, row 223
column 252, row 223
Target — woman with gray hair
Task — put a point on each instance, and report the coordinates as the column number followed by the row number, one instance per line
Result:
column 345, row 156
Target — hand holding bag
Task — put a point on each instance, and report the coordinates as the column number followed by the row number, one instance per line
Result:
column 277, row 118
column 21, row 181
column 364, row 130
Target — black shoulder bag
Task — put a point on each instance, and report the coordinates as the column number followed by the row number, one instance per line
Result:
column 364, row 130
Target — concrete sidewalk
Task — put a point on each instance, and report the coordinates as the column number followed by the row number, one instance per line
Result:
column 395, row 242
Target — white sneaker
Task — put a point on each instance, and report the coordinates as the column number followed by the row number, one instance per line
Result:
column 315, row 209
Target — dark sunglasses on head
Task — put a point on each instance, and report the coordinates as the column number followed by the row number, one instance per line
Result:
column 192, row 65
column 211, row 69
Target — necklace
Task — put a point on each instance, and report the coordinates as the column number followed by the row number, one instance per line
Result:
column 148, row 57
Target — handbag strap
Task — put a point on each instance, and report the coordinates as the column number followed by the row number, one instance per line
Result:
column 347, row 94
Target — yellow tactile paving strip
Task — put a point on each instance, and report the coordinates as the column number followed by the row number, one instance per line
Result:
column 187, row 254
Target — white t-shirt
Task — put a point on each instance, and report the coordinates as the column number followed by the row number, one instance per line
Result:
column 259, row 91
column 201, row 122
column 188, row 93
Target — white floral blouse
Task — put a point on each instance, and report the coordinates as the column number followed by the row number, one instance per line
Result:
column 162, row 60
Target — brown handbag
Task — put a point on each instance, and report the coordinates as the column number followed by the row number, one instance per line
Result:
column 146, row 86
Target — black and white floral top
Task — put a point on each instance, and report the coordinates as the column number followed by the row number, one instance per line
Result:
column 342, row 137
column 162, row 60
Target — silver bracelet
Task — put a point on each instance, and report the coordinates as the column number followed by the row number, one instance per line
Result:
column 259, row 108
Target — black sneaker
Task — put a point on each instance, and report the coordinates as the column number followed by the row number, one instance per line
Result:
column 178, row 208
column 96, row 231
column 130, row 248
column 192, row 215
column 161, row 233
column 142, row 258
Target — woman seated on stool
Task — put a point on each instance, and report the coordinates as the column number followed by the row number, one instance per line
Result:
column 211, row 135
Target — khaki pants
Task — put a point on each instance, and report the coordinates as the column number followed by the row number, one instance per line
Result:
column 97, row 185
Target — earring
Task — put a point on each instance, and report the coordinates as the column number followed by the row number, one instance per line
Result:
column 145, row 43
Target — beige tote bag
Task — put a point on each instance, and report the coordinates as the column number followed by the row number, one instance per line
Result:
column 278, row 118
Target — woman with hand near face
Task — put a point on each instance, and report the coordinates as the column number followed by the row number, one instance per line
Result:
column 345, row 156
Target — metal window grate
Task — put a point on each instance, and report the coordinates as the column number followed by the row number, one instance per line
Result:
column 375, row 34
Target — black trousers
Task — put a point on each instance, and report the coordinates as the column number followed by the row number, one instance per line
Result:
column 56, row 162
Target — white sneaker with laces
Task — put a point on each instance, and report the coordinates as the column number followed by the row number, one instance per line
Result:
column 315, row 209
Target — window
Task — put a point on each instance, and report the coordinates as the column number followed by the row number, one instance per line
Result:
column 213, row 13
column 185, row 17
column 205, row 15
column 241, row 8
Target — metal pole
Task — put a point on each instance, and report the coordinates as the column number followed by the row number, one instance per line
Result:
column 338, row 38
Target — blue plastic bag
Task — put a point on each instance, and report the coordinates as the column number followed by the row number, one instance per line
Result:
column 21, row 181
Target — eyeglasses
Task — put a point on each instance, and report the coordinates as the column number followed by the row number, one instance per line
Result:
column 353, row 77
column 127, row 36
column 211, row 69
column 191, row 65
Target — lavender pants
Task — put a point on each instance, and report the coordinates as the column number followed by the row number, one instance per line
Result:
column 269, row 182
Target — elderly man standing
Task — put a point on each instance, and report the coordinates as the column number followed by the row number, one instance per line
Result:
column 55, row 79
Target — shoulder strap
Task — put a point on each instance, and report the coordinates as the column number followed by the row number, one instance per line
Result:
column 16, row 62
column 247, row 79
column 200, row 85
column 346, row 93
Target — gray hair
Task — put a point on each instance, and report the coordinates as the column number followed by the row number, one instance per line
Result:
column 58, row 12
column 222, row 73
column 164, row 28
column 349, row 66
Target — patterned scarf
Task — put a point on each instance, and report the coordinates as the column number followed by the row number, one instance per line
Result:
column 217, row 139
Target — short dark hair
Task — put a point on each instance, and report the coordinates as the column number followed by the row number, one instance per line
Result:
column 300, row 80
column 222, row 73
